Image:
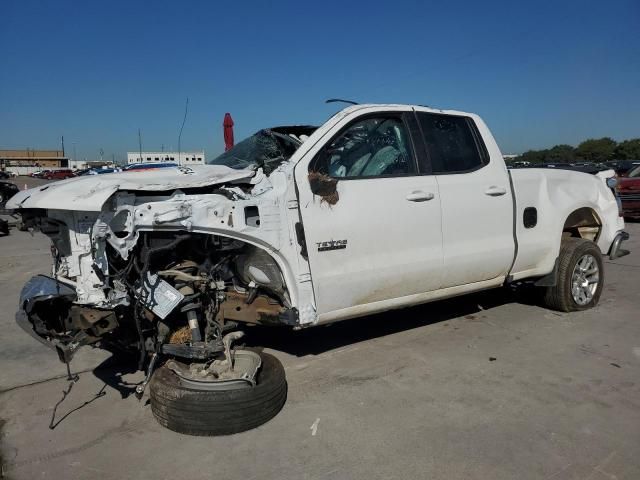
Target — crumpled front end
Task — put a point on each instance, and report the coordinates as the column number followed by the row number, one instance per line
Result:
column 166, row 272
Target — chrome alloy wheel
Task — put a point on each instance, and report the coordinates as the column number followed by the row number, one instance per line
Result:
column 585, row 279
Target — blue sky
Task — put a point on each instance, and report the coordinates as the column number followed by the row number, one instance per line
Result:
column 539, row 73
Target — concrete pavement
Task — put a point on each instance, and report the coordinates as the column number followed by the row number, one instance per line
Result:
column 479, row 387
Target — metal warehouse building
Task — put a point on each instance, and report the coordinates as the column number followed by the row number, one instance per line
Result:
column 33, row 158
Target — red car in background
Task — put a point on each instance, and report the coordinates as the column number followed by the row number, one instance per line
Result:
column 629, row 192
column 59, row 174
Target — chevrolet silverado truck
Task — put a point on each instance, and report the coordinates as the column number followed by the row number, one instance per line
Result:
column 382, row 207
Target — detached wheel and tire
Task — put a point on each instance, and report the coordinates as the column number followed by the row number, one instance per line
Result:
column 183, row 408
column 580, row 277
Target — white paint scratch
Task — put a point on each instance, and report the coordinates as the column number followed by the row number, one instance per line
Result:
column 314, row 427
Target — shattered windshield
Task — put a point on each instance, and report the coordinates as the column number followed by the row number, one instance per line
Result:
column 266, row 149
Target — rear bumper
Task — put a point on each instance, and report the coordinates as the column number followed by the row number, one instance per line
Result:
column 616, row 250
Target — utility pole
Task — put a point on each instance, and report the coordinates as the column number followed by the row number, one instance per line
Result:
column 62, row 138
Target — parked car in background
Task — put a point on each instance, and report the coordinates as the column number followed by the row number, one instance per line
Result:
column 139, row 167
column 59, row 174
column 629, row 192
column 39, row 173
column 102, row 171
column 4, row 175
column 622, row 167
column 7, row 190
column 588, row 167
column 96, row 171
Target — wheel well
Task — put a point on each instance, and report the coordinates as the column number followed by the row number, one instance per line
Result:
column 583, row 223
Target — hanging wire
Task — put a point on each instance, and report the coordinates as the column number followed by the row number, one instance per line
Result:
column 184, row 119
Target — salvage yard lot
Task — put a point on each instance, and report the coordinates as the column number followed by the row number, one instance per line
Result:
column 481, row 386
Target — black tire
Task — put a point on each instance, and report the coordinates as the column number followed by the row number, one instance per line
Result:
column 559, row 297
column 208, row 413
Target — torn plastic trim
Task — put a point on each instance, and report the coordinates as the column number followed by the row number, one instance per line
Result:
column 616, row 251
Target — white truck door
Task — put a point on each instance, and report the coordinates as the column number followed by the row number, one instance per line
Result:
column 380, row 238
column 476, row 199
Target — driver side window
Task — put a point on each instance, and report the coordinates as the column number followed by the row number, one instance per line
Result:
column 374, row 147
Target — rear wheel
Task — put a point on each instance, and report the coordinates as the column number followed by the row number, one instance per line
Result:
column 184, row 407
column 580, row 277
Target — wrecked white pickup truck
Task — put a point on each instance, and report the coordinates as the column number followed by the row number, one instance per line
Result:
column 382, row 207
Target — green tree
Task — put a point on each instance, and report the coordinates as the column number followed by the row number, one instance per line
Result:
column 561, row 153
column 628, row 150
column 533, row 156
column 596, row 149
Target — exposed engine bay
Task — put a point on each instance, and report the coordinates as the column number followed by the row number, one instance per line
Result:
column 167, row 272
column 175, row 294
column 178, row 287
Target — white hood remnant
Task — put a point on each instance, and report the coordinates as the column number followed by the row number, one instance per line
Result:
column 89, row 193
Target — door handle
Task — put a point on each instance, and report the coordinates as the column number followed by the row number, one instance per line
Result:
column 419, row 196
column 494, row 191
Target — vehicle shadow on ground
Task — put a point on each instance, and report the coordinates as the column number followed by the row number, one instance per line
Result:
column 113, row 370
column 314, row 341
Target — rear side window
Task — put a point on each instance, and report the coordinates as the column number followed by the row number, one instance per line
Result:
column 451, row 143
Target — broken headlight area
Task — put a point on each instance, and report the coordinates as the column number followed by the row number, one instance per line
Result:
column 177, row 295
column 48, row 314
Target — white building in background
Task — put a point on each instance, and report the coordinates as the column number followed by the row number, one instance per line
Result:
column 182, row 158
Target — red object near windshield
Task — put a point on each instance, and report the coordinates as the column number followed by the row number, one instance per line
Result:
column 228, row 132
